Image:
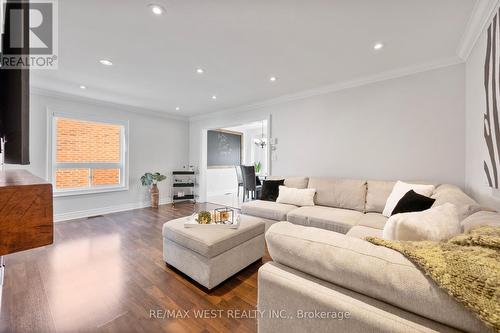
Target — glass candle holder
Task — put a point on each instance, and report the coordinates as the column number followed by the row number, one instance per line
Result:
column 224, row 215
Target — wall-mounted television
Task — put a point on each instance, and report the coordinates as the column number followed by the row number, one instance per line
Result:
column 14, row 87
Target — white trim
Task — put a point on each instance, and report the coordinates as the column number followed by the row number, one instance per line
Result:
column 93, row 165
column 90, row 190
column 52, row 164
column 101, row 103
column 269, row 145
column 90, row 118
column 202, row 167
column 393, row 74
column 481, row 15
column 105, row 210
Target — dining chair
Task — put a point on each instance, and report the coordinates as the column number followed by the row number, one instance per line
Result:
column 250, row 186
column 239, row 177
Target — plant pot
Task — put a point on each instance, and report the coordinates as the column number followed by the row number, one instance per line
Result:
column 155, row 196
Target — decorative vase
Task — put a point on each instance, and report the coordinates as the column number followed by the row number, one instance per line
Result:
column 155, row 196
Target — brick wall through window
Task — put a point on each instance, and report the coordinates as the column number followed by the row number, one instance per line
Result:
column 105, row 176
column 84, row 142
column 72, row 178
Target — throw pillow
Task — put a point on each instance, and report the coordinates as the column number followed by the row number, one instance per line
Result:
column 295, row 196
column 270, row 189
column 399, row 190
column 413, row 202
column 435, row 224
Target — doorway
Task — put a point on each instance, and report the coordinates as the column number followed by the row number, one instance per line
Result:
column 221, row 180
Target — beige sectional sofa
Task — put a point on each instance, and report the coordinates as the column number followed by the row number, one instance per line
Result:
column 348, row 206
column 340, row 204
column 333, row 281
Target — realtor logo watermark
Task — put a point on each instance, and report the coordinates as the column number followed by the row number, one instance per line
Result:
column 33, row 45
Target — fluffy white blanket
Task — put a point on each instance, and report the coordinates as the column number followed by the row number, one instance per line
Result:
column 435, row 224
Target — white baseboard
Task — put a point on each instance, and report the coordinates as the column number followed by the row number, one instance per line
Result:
column 105, row 210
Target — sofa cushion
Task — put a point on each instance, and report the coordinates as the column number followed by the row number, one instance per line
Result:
column 479, row 219
column 361, row 232
column 267, row 209
column 296, row 196
column 335, row 219
column 373, row 220
column 371, row 270
column 212, row 242
column 296, row 182
column 377, row 193
column 339, row 193
column 450, row 193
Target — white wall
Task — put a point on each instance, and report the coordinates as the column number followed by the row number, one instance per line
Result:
column 221, row 181
column 411, row 127
column 156, row 143
column 256, row 153
column 476, row 151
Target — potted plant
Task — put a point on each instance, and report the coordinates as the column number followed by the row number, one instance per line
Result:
column 204, row 217
column 152, row 180
column 258, row 167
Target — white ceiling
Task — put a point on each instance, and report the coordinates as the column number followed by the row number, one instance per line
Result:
column 240, row 44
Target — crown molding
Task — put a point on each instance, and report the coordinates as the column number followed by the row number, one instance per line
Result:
column 393, row 74
column 98, row 102
column 481, row 15
column 388, row 75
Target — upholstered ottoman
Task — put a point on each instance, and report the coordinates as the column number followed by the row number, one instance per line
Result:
column 210, row 256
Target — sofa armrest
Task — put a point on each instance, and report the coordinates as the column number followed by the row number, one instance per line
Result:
column 479, row 219
column 371, row 270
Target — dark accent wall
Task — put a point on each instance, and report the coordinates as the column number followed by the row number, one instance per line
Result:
column 491, row 166
column 15, row 97
column 223, row 148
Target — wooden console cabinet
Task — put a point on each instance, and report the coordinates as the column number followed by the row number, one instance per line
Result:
column 26, row 217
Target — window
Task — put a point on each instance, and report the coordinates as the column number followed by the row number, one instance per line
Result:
column 88, row 155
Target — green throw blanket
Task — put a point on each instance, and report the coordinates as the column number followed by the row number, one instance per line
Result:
column 466, row 266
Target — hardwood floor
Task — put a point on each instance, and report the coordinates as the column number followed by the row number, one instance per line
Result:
column 106, row 274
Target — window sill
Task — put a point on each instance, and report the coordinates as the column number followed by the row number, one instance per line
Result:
column 69, row 193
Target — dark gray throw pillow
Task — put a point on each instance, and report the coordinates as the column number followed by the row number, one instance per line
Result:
column 271, row 189
column 413, row 202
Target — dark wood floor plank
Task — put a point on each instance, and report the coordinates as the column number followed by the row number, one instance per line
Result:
column 106, row 274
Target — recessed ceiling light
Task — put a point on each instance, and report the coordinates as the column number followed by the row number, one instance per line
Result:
column 273, row 78
column 106, row 62
column 156, row 9
column 214, row 97
column 177, row 108
column 83, row 87
column 378, row 46
column 200, row 71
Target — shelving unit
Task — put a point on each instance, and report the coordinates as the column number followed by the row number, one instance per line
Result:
column 183, row 184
